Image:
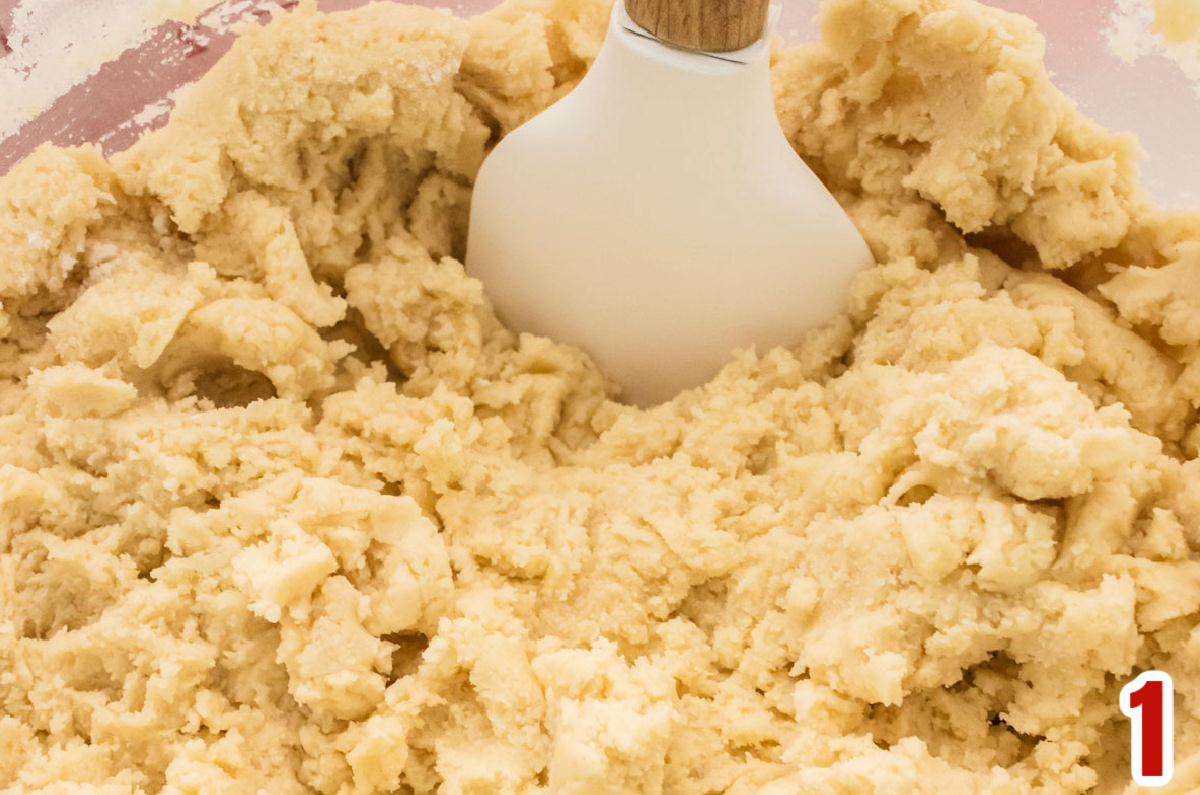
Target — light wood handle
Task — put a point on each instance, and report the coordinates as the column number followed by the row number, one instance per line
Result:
column 706, row 25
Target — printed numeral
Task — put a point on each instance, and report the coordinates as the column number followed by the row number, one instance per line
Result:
column 1149, row 702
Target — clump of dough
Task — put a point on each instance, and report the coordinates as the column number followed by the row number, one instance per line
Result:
column 284, row 508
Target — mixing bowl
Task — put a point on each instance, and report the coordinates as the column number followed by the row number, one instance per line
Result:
column 105, row 71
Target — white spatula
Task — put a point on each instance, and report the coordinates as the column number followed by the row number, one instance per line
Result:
column 656, row 216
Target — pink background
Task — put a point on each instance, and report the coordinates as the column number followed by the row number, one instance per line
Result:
column 1152, row 97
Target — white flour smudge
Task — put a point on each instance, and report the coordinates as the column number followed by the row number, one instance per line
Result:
column 1134, row 33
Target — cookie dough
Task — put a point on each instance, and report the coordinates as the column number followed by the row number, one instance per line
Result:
column 284, row 508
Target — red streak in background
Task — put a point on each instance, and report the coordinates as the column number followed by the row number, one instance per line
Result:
column 102, row 108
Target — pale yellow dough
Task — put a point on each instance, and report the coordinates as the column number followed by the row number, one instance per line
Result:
column 284, row 509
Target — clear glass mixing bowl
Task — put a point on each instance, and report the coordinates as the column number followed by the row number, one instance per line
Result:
column 104, row 71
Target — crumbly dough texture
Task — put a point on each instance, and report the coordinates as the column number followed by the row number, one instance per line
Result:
column 284, row 508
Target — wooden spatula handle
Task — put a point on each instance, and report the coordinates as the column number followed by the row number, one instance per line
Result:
column 706, row 25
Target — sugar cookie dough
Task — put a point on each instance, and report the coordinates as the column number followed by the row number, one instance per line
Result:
column 285, row 509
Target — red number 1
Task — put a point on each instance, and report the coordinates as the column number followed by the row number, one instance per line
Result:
column 1149, row 702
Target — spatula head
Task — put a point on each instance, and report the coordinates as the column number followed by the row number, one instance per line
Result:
column 657, row 217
